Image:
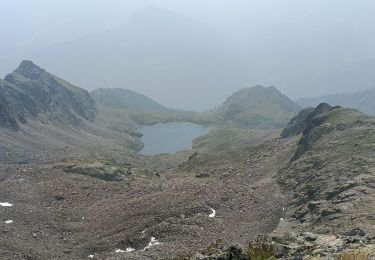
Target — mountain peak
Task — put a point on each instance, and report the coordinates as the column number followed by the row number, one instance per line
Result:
column 259, row 97
column 31, row 92
column 256, row 107
column 29, row 70
column 126, row 99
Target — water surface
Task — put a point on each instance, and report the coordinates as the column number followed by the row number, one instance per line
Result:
column 170, row 137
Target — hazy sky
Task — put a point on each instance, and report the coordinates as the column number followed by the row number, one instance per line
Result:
column 193, row 53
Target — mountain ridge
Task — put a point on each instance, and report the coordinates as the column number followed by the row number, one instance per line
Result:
column 126, row 99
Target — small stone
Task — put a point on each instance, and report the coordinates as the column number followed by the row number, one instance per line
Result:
column 59, row 197
column 309, row 237
column 356, row 232
column 35, row 235
column 202, row 175
column 279, row 251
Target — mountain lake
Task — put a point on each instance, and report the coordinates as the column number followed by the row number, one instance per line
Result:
column 170, row 137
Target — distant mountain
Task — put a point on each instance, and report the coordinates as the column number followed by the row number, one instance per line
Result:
column 256, row 106
column 31, row 92
column 126, row 99
column 157, row 51
column 363, row 101
column 262, row 100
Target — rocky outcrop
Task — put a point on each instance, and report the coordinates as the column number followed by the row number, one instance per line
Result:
column 103, row 170
column 305, row 245
column 330, row 175
column 31, row 92
column 309, row 122
column 303, row 120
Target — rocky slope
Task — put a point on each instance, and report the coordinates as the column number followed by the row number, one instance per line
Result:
column 331, row 172
column 327, row 187
column 316, row 179
column 89, row 195
column 15, row 106
column 42, row 115
column 362, row 101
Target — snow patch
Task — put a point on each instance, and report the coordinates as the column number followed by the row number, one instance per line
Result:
column 152, row 243
column 5, row 204
column 91, row 256
column 128, row 250
column 213, row 214
column 8, row 221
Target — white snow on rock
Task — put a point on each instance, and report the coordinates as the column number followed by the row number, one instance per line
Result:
column 5, row 204
column 213, row 214
column 91, row 256
column 8, row 221
column 129, row 250
column 152, row 243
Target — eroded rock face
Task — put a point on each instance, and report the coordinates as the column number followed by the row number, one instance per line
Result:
column 15, row 106
column 303, row 120
column 298, row 124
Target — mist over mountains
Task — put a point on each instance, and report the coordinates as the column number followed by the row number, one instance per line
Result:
column 363, row 101
column 187, row 130
column 172, row 50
